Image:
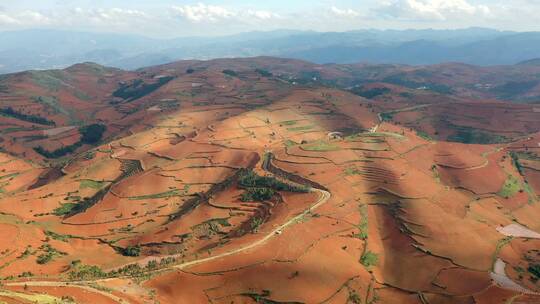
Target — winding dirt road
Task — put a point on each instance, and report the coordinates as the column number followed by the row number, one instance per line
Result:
column 324, row 197
column 69, row 284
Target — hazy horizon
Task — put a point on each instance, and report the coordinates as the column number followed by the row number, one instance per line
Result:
column 169, row 19
column 279, row 30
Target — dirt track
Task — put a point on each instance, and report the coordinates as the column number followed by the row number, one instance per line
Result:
column 68, row 284
column 324, row 197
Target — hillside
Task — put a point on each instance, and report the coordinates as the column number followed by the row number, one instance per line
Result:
column 268, row 180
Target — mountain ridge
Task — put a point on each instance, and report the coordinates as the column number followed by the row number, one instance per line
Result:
column 45, row 49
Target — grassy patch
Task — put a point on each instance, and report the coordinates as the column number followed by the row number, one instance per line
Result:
column 369, row 259
column 48, row 254
column 288, row 123
column 26, row 253
column 353, row 137
column 166, row 194
column 256, row 222
column 87, row 183
column 300, row 129
column 352, row 171
column 370, row 93
column 14, row 129
column 468, row 135
column 321, row 145
column 375, row 136
column 363, row 226
column 64, row 209
column 530, row 193
column 511, row 186
column 58, row 237
column 423, row 135
column 290, row 143
column 85, row 272
column 8, row 176
column 35, row 298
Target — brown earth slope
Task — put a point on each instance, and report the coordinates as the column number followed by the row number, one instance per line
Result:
column 236, row 181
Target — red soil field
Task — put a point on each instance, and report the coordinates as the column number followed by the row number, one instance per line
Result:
column 250, row 187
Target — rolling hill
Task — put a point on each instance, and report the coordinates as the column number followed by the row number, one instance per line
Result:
column 269, row 180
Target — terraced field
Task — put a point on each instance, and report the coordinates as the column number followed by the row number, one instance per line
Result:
column 220, row 187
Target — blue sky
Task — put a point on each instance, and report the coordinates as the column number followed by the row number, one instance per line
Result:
column 172, row 18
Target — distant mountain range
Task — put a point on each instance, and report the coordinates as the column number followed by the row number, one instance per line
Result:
column 46, row 49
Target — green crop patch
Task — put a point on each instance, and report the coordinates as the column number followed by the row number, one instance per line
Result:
column 48, row 253
column 290, row 143
column 288, row 122
column 321, row 146
column 511, row 186
column 59, row 237
column 166, row 194
column 87, row 183
column 85, row 272
column 64, row 209
column 300, row 129
column 369, row 259
column 8, row 176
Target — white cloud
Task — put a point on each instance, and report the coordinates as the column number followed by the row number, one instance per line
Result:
column 262, row 15
column 203, row 13
column 24, row 17
column 106, row 16
column 33, row 17
column 431, row 9
column 350, row 13
column 5, row 19
column 74, row 17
